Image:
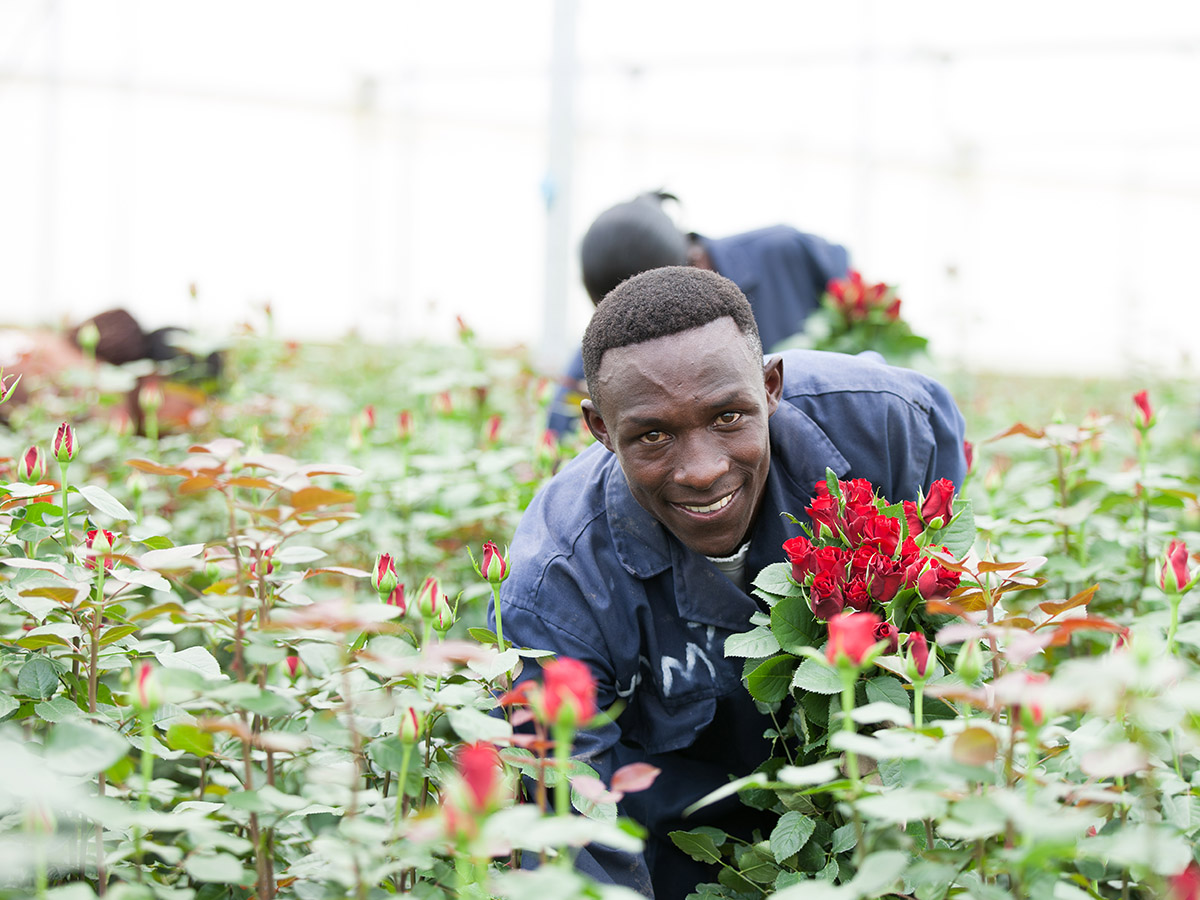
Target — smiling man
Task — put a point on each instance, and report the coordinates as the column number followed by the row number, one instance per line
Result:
column 637, row 556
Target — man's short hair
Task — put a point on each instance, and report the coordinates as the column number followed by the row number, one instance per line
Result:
column 626, row 239
column 659, row 303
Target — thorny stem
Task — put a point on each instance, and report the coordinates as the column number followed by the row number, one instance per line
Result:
column 93, row 677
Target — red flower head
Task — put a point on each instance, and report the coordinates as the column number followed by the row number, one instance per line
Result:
column 430, row 599
column 569, row 691
column 884, row 578
column 443, row 403
column 883, row 533
column 825, row 511
column 936, row 582
column 267, row 563
column 1185, row 885
column 412, row 723
column 493, row 428
column 858, row 493
column 851, row 635
column 293, row 666
column 918, row 653
column 480, row 767
column 64, row 443
column 31, row 467
column 101, row 544
column 826, row 596
column 1142, row 400
column 886, row 631
column 1175, row 575
column 147, row 692
column 799, row 552
column 494, row 567
column 913, row 519
column 969, row 455
column 368, row 417
column 404, row 424
column 383, row 576
column 857, row 596
column 940, row 502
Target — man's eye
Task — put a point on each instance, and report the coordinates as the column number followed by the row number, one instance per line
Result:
column 654, row 437
column 728, row 418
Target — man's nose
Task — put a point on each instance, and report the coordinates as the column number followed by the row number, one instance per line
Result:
column 702, row 462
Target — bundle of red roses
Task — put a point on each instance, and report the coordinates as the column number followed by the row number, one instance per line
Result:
column 863, row 554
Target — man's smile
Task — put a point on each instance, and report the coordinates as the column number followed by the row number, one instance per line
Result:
column 709, row 508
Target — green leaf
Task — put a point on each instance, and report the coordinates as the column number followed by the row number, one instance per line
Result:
column 794, row 624
column 754, row 644
column 77, row 747
column 768, row 682
column 697, row 844
column 844, row 838
column 105, row 502
column 7, row 706
column 879, row 872
column 817, row 678
column 775, row 580
column 959, row 535
column 219, row 868
column 885, row 689
column 472, row 725
column 790, row 834
column 193, row 659
column 190, row 739
column 482, row 635
column 38, row 679
column 388, row 754
column 56, row 710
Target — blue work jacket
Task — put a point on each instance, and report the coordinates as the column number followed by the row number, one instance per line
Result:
column 595, row 577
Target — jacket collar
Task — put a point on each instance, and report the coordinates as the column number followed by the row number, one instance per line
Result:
column 800, row 452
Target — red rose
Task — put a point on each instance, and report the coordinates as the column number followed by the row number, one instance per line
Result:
column 826, row 596
column 883, row 532
column 799, row 552
column 969, row 455
column 570, row 691
column 831, row 561
column 936, row 582
column 1185, row 885
column 383, row 576
column 857, row 596
column 860, row 560
column 913, row 518
column 101, row 544
column 825, row 511
column 884, row 578
column 494, row 567
column 851, row 635
column 480, row 768
column 858, row 493
column 939, row 503
column 886, row 631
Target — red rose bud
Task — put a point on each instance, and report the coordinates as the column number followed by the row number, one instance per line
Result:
column 147, row 690
column 292, row 663
column 396, row 598
column 969, row 455
column 913, row 519
column 494, row 567
column 1142, row 400
column 939, row 505
column 851, row 635
column 100, row 543
column 1175, row 576
column 569, row 691
column 412, row 724
column 31, row 467
column 368, row 417
column 443, row 403
column 825, row 512
column 383, row 576
column 886, row 631
column 917, row 655
column 936, row 582
column 1185, row 885
column 799, row 552
column 493, row 429
column 884, row 578
column 8, row 386
column 64, row 443
column 882, row 532
column 404, row 424
column 430, row 600
column 150, row 396
column 268, row 565
column 480, row 768
column 893, row 310
column 857, row 596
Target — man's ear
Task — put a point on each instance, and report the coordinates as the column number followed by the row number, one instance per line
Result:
column 595, row 424
column 773, row 382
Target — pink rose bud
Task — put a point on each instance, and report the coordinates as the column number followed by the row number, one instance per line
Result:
column 412, row 723
column 430, row 600
column 383, row 576
column 1175, row 576
column 969, row 455
column 293, row 666
column 404, row 424
column 494, row 568
column 31, row 467
column 147, row 690
column 368, row 417
column 8, row 386
column 150, row 396
column 480, row 768
column 64, row 443
column 396, row 599
column 443, row 403
column 493, row 428
column 1142, row 400
column 1185, row 885
column 569, row 691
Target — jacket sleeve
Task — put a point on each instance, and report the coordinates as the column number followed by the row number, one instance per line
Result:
column 543, row 617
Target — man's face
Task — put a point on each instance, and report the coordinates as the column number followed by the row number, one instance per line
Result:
column 687, row 417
